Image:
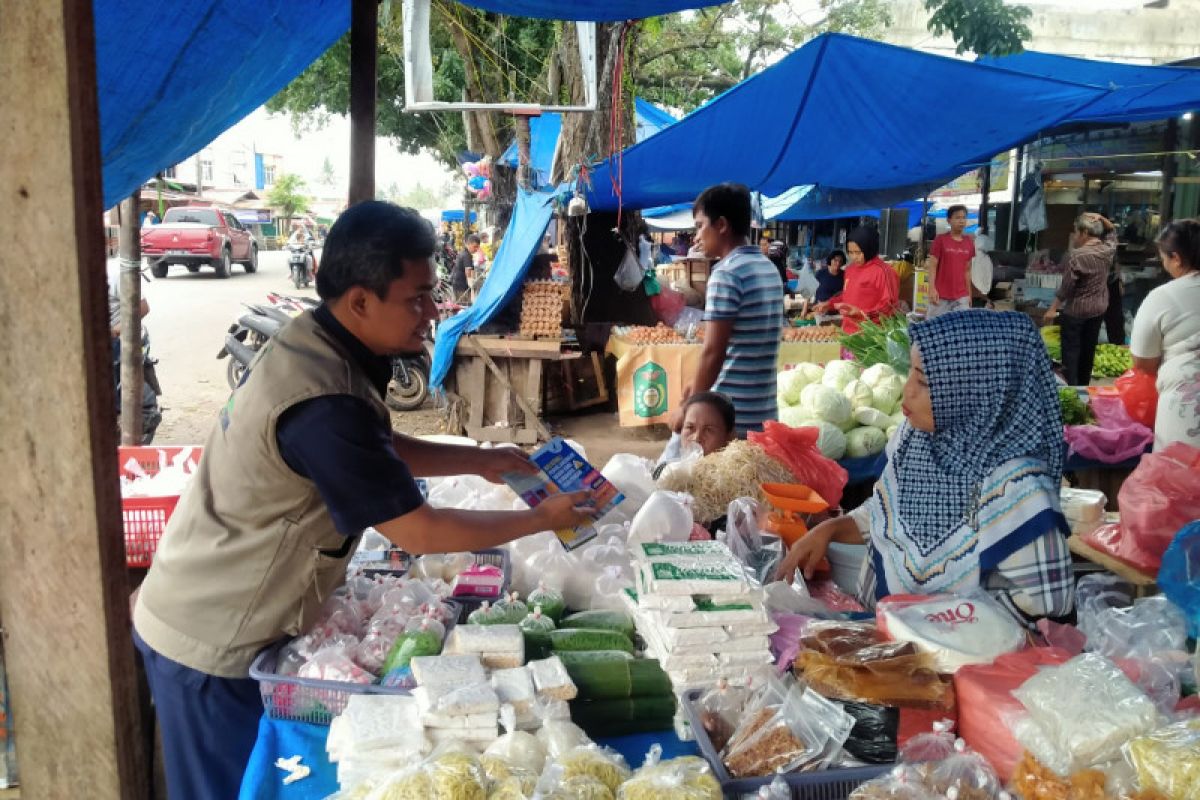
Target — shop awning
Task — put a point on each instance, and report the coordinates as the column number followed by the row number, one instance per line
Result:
column 838, row 114
column 650, row 119
column 543, row 141
column 1135, row 93
column 224, row 59
column 589, row 10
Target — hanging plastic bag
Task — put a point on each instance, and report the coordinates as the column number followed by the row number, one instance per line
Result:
column 1114, row 438
column 807, row 283
column 1139, row 393
column 796, row 448
column 630, row 273
column 1179, row 576
column 1157, row 500
column 666, row 517
column 668, row 304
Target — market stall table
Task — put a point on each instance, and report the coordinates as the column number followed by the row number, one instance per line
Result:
column 286, row 738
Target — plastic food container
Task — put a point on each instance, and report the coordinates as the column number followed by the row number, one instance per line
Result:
column 1083, row 505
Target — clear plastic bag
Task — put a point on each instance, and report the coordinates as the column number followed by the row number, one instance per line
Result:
column 553, row 565
column 761, row 553
column 721, row 708
column 685, row 778
column 549, row 600
column 335, row 664
column 1168, row 760
column 511, row 610
column 537, row 622
column 900, row 784
column 1081, row 713
column 423, row 640
column 965, row 773
column 591, row 761
column 559, row 736
column 610, row 551
column 665, row 517
column 630, row 273
column 777, row 789
column 517, row 748
column 610, row 588
column 804, row 733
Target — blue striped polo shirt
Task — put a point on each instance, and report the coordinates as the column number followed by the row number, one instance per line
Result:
column 745, row 287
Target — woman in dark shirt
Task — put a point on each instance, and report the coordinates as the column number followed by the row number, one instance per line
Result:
column 831, row 280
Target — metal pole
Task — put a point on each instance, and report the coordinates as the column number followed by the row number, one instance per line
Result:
column 364, row 40
column 1166, row 205
column 131, row 322
column 1015, row 204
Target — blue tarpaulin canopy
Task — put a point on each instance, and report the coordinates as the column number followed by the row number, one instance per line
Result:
column 650, row 119
column 543, row 139
column 1136, row 92
column 593, row 10
column 530, row 218
column 171, row 77
column 824, row 115
column 457, row 215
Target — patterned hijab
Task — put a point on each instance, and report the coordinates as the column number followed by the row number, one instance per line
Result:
column 994, row 399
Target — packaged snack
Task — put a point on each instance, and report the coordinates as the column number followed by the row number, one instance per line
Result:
column 551, row 601
column 559, row 736
column 498, row 646
column 478, row 580
column 552, row 680
column 720, row 709
column 1168, row 759
column 955, row 630
column 424, row 640
column 477, row 698
column 606, row 766
column 447, row 670
column 514, row 687
column 805, row 732
column 685, row 778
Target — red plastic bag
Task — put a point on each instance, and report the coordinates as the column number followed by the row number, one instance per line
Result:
column 1156, row 501
column 796, row 448
column 1115, row 438
column 1140, row 395
column 668, row 304
column 984, row 694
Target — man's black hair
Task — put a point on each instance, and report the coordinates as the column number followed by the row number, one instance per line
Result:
column 368, row 245
column 838, row 254
column 728, row 200
column 718, row 401
column 472, row 238
column 952, row 210
column 867, row 239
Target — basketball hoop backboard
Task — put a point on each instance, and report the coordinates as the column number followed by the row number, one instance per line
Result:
column 418, row 69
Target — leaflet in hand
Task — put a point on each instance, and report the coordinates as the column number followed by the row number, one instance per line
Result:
column 562, row 470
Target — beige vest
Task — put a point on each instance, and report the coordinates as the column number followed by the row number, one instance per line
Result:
column 251, row 551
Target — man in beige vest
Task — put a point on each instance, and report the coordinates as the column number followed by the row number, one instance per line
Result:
column 303, row 458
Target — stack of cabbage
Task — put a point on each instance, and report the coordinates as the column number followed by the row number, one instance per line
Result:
column 857, row 411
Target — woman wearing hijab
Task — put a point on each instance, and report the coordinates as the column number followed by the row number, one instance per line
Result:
column 969, row 497
column 872, row 287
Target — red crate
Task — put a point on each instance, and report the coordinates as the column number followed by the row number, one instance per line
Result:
column 145, row 518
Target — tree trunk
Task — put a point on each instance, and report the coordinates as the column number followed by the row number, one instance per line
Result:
column 594, row 294
column 484, row 127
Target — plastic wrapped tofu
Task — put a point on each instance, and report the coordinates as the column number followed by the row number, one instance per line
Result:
column 683, row 577
column 515, row 687
column 447, row 670
column 1083, row 505
column 711, row 613
column 1082, row 713
column 476, row 698
column 551, row 679
column 497, row 645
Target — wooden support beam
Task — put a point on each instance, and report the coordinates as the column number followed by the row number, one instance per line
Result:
column 985, row 191
column 531, row 414
column 130, row 284
column 64, row 594
column 364, row 43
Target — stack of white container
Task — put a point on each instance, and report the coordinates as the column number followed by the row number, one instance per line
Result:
column 455, row 699
column 700, row 615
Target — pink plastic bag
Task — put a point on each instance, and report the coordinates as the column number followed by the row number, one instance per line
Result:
column 1115, row 438
column 796, row 448
column 668, row 304
column 1157, row 500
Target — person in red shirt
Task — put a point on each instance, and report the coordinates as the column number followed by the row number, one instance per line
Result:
column 872, row 286
column 949, row 266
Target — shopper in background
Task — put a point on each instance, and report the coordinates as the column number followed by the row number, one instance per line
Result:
column 743, row 311
column 872, row 286
column 1166, row 336
column 777, row 254
column 949, row 266
column 1083, row 295
column 831, row 280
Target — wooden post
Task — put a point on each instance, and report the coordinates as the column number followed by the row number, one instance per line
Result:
column 64, row 594
column 524, row 157
column 364, row 38
column 130, row 291
column 1166, row 205
column 985, row 192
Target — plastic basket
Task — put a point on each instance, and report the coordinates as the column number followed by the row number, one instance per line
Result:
column 830, row 784
column 397, row 562
column 145, row 518
column 310, row 699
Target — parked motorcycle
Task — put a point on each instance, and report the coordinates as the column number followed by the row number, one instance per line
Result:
column 300, row 258
column 407, row 390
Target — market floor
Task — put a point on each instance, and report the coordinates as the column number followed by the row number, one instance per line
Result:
column 190, row 314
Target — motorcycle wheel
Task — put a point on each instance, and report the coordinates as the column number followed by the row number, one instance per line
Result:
column 402, row 398
column 296, row 281
column 234, row 371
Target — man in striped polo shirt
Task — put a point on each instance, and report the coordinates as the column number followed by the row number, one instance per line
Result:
column 743, row 309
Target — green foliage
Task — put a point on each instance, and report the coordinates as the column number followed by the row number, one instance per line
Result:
column 983, row 27
column 287, row 195
column 420, row 196
column 687, row 59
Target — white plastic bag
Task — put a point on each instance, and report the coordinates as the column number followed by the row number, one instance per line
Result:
column 806, row 282
column 633, row 477
column 630, row 274
column 610, row 589
column 666, row 517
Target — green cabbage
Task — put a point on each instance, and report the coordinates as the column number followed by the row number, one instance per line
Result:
column 863, row 442
column 859, row 394
column 813, row 373
column 839, row 373
column 796, row 417
column 873, row 418
column 830, row 441
column 790, row 383
column 887, row 392
column 892, row 431
column 874, row 374
column 825, row 403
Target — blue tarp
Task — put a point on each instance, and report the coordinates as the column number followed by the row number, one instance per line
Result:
column 650, row 119
column 838, row 113
column 543, row 139
column 594, row 10
column 530, row 218
column 171, row 77
column 457, row 215
column 1136, row 92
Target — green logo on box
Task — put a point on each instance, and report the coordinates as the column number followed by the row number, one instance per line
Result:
column 650, row 390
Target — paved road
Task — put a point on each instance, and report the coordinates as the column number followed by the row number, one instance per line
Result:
column 189, row 315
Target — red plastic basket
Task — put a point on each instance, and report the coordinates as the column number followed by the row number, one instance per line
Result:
column 145, row 518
